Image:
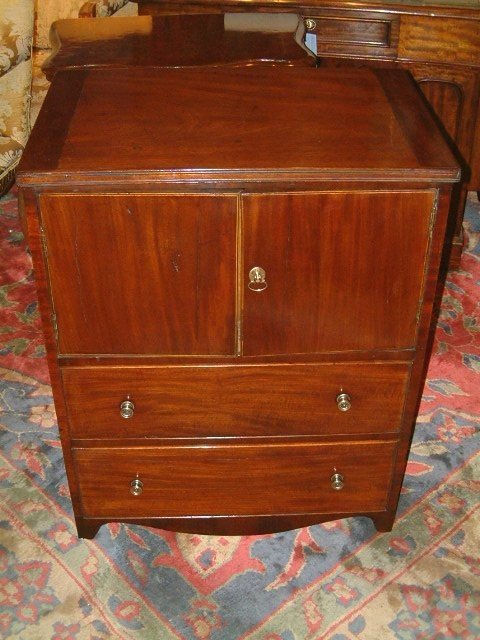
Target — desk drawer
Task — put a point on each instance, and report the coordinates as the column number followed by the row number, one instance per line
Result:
column 354, row 34
column 255, row 400
column 242, row 480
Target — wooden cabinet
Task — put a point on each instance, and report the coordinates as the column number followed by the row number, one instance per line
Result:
column 174, row 258
column 237, row 305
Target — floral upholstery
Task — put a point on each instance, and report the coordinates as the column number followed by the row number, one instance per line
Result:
column 16, row 32
column 105, row 8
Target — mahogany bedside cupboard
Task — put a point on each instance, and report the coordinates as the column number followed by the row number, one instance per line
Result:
column 237, row 271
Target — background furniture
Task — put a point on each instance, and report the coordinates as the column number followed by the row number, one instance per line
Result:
column 237, row 286
column 16, row 32
column 438, row 42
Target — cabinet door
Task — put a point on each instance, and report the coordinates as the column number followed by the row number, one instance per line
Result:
column 142, row 273
column 344, row 271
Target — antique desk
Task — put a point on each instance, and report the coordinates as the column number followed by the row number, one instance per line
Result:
column 237, row 286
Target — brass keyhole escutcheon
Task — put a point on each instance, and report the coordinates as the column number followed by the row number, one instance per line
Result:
column 257, row 280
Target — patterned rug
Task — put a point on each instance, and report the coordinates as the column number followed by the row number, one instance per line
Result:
column 336, row 581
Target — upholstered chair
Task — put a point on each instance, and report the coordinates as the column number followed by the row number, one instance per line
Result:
column 16, row 32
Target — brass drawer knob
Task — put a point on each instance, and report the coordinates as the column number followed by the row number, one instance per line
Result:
column 136, row 487
column 257, row 279
column 310, row 24
column 344, row 402
column 337, row 481
column 126, row 409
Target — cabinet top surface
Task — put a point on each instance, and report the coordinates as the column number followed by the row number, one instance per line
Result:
column 258, row 123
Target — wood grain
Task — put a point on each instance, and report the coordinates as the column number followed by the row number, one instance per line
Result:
column 325, row 288
column 234, row 401
column 141, row 274
column 240, row 480
column 215, row 117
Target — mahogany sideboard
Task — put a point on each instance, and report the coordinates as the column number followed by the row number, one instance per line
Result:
column 237, row 287
column 437, row 41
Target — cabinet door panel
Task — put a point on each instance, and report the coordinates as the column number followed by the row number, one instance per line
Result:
column 142, row 274
column 344, row 271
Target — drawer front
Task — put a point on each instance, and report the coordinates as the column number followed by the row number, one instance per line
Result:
column 278, row 400
column 450, row 41
column 240, row 480
column 350, row 34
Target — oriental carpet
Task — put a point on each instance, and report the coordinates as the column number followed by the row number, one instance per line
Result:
column 337, row 581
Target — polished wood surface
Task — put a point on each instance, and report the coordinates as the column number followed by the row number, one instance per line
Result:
column 234, row 400
column 439, row 43
column 281, row 478
column 170, row 262
column 159, row 299
column 317, row 234
column 236, row 426
column 208, row 127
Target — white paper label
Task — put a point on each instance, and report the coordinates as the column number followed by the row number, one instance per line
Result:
column 311, row 42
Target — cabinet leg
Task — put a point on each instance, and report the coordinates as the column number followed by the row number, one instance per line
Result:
column 384, row 521
column 87, row 528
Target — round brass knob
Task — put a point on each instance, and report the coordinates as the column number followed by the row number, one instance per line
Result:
column 257, row 279
column 310, row 24
column 344, row 402
column 136, row 487
column 126, row 409
column 337, row 481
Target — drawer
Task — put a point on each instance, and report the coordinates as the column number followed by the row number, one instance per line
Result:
column 242, row 480
column 248, row 400
column 450, row 41
column 353, row 34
